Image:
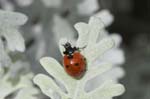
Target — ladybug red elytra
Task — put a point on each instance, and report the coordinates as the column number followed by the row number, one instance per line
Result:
column 74, row 62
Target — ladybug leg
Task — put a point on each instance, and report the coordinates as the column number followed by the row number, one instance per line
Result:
column 65, row 52
column 83, row 47
column 77, row 48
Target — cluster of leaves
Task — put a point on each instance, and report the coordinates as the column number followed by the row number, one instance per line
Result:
column 15, row 77
column 92, row 34
column 75, row 89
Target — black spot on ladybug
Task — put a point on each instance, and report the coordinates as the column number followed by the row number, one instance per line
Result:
column 76, row 64
column 82, row 70
column 67, row 66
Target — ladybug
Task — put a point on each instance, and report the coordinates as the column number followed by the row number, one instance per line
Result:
column 74, row 62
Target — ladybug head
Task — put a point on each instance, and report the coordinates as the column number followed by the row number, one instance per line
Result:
column 69, row 50
column 67, row 45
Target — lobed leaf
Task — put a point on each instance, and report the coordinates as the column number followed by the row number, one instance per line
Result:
column 106, row 17
column 48, row 86
column 14, row 39
column 27, row 93
column 57, row 71
column 83, row 33
column 107, row 90
column 10, row 18
column 93, row 72
column 95, row 26
column 95, row 51
column 4, row 58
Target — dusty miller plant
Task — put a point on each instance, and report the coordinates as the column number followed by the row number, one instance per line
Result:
column 75, row 89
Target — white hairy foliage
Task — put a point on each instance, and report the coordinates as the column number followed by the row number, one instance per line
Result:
column 14, row 79
column 73, row 88
column 9, row 24
column 24, row 86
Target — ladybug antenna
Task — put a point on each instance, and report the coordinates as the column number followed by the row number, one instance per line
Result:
column 83, row 47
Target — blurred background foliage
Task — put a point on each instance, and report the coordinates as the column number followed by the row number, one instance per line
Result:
column 132, row 21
